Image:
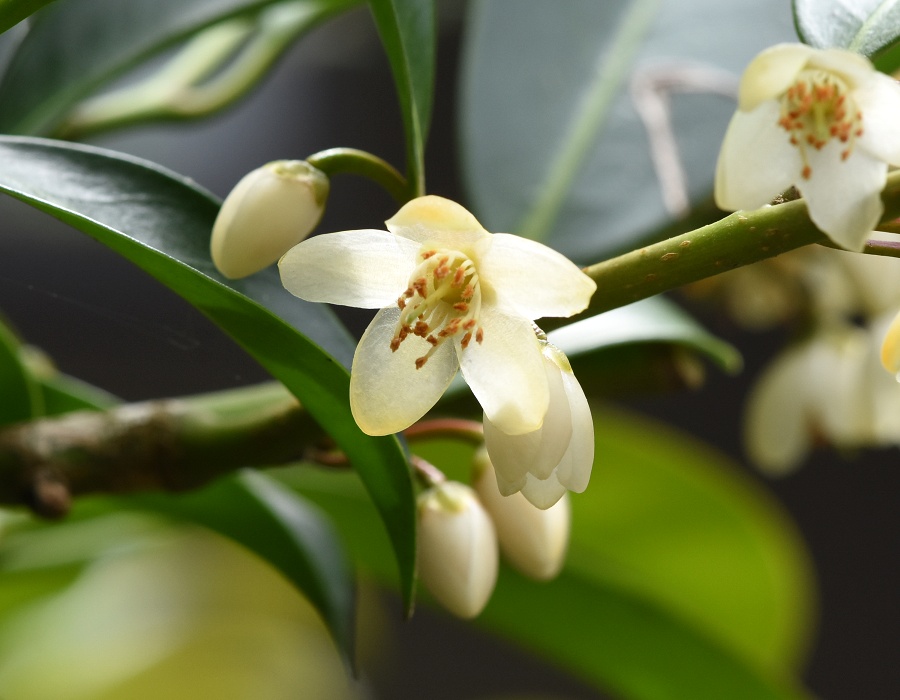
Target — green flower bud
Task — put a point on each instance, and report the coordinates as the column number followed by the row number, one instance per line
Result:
column 268, row 212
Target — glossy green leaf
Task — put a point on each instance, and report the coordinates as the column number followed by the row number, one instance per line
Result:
column 280, row 527
column 683, row 580
column 548, row 106
column 21, row 394
column 407, row 29
column 77, row 46
column 161, row 222
column 654, row 320
column 869, row 27
column 14, row 11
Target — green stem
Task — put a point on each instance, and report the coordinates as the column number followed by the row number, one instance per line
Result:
column 739, row 239
column 613, row 67
column 352, row 161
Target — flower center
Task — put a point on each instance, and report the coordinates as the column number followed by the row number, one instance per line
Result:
column 817, row 108
column 443, row 300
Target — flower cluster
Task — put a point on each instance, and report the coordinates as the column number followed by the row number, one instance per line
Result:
column 460, row 530
column 453, row 296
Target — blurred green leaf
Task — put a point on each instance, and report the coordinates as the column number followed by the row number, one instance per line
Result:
column 654, row 320
column 407, row 29
column 281, row 528
column 535, row 82
column 76, row 46
column 21, row 393
column 161, row 222
column 14, row 11
column 869, row 27
column 684, row 579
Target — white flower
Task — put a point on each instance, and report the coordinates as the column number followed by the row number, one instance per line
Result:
column 451, row 296
column 829, row 388
column 533, row 540
column 559, row 454
column 457, row 548
column 270, row 210
column 823, row 120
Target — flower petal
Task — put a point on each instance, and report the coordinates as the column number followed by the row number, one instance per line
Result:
column 574, row 470
column 368, row 268
column 506, row 373
column 890, row 348
column 854, row 68
column 432, row 219
column 545, row 493
column 776, row 425
column 387, row 392
column 539, row 451
column 879, row 102
column 515, row 267
column 757, row 160
column 771, row 73
column 843, row 196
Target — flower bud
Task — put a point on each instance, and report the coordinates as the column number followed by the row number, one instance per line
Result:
column 268, row 212
column 457, row 548
column 532, row 540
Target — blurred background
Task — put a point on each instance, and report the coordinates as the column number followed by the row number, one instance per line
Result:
column 104, row 321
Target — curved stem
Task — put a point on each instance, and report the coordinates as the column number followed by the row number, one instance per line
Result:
column 457, row 428
column 353, row 161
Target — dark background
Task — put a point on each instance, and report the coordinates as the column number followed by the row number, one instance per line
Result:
column 105, row 321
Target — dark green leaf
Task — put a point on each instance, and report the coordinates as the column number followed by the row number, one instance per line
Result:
column 280, row 527
column 547, row 106
column 161, row 222
column 76, row 46
column 869, row 27
column 653, row 320
column 21, row 395
column 407, row 29
column 14, row 11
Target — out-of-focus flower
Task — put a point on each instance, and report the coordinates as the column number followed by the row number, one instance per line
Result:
column 827, row 389
column 451, row 296
column 269, row 211
column 533, row 540
column 558, row 455
column 457, row 548
column 822, row 120
column 890, row 348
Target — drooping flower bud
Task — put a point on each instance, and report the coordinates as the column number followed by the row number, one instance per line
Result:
column 533, row 540
column 267, row 213
column 457, row 548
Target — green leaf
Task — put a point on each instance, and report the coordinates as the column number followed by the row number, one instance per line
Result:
column 14, row 11
column 161, row 222
column 77, row 46
column 654, row 320
column 869, row 27
column 684, row 579
column 280, row 527
column 552, row 143
column 21, row 393
column 407, row 29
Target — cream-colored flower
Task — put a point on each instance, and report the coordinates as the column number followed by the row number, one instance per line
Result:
column 830, row 389
column 558, row 455
column 269, row 211
column 451, row 296
column 823, row 120
column 457, row 548
column 532, row 540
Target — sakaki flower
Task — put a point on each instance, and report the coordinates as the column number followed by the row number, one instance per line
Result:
column 269, row 211
column 823, row 120
column 451, row 296
column 558, row 455
column 457, row 548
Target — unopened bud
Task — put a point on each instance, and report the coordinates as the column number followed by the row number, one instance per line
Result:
column 267, row 213
column 532, row 540
column 457, row 548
